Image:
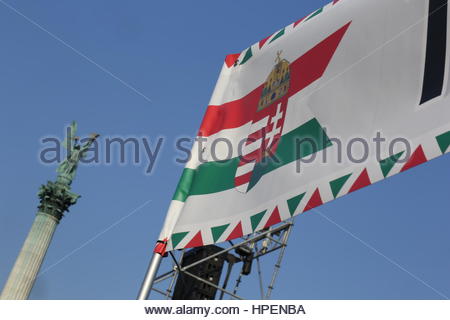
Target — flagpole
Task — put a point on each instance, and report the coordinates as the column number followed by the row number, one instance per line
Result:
column 147, row 284
column 158, row 253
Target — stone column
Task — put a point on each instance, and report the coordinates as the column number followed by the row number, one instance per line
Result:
column 29, row 261
column 56, row 198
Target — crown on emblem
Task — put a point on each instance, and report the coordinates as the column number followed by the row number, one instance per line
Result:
column 277, row 83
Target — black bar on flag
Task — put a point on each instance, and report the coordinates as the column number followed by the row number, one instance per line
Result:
column 433, row 80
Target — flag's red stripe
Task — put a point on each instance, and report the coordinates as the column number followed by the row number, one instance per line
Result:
column 196, row 241
column 229, row 115
column 263, row 41
column 314, row 201
column 253, row 155
column 231, row 59
column 305, row 70
column 274, row 218
column 362, row 181
column 298, row 21
column 255, row 136
column 236, row 233
column 257, row 154
column 418, row 157
column 312, row 65
column 243, row 179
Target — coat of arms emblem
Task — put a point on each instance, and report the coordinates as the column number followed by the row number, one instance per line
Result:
column 266, row 127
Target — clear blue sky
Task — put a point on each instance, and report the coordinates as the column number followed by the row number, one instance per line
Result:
column 172, row 52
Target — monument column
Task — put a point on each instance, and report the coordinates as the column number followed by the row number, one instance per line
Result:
column 55, row 199
column 29, row 261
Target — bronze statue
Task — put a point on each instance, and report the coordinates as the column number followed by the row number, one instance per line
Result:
column 75, row 152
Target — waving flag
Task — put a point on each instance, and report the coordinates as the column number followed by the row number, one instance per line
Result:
column 351, row 94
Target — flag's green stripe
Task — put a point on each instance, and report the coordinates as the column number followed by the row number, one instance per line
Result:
column 211, row 177
column 214, row 176
column 387, row 164
column 444, row 141
column 336, row 185
column 247, row 55
column 314, row 14
column 182, row 191
column 256, row 219
column 279, row 34
column 294, row 202
column 177, row 237
column 310, row 138
column 218, row 231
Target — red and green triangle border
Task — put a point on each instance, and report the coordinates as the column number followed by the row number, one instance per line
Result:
column 340, row 185
column 235, row 60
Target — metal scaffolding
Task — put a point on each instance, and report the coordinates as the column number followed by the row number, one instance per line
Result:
column 261, row 244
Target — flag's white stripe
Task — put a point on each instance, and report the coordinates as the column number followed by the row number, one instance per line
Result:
column 234, row 84
column 242, row 188
column 369, row 87
column 245, row 168
column 249, row 148
column 297, row 113
column 257, row 126
column 428, row 143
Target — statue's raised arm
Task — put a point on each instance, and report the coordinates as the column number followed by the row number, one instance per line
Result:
column 75, row 152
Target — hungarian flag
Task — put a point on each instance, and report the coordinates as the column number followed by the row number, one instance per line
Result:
column 351, row 94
